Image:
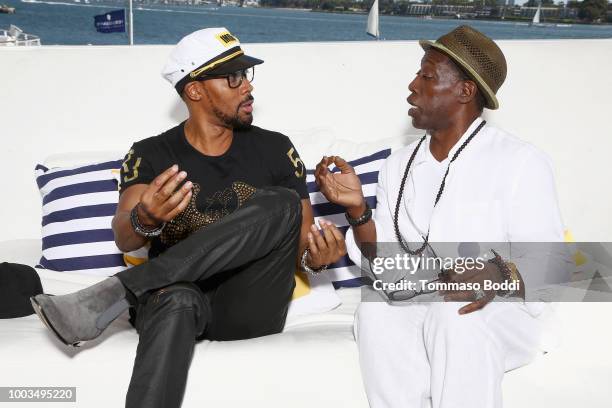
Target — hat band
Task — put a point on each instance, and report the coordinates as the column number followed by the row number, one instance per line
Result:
column 199, row 71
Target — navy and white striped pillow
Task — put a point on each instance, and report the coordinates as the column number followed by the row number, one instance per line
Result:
column 344, row 273
column 78, row 207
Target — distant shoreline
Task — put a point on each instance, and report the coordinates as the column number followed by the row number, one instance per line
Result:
column 288, row 8
column 254, row 25
column 517, row 19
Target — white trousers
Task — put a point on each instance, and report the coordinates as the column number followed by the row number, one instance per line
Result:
column 427, row 355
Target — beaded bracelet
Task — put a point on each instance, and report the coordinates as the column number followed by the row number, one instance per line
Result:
column 140, row 229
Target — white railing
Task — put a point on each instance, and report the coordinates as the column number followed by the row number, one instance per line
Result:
column 15, row 37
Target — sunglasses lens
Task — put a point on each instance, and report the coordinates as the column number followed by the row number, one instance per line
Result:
column 235, row 79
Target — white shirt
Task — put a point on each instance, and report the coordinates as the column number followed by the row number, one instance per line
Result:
column 499, row 189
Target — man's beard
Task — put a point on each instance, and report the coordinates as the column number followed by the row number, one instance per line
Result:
column 235, row 122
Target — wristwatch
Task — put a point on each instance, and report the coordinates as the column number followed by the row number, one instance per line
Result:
column 140, row 229
column 509, row 273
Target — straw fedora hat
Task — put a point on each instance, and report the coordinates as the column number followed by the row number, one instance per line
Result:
column 478, row 55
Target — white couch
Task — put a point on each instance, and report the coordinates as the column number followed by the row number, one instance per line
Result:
column 95, row 99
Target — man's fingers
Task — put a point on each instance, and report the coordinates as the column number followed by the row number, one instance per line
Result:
column 170, row 186
column 320, row 177
column 334, row 238
column 327, row 247
column 312, row 245
column 160, row 180
column 343, row 165
column 339, row 238
column 469, row 296
column 180, row 207
column 322, row 170
column 321, row 167
column 330, row 239
column 157, row 183
column 176, row 198
column 325, row 161
column 474, row 306
column 318, row 240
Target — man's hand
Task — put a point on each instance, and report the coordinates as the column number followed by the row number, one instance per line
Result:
column 161, row 201
column 342, row 188
column 474, row 275
column 326, row 248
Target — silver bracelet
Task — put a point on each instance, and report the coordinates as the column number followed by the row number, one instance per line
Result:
column 140, row 230
column 312, row 271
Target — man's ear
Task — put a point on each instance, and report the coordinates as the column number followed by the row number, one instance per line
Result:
column 193, row 91
column 467, row 91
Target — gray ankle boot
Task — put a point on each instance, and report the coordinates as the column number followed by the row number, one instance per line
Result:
column 83, row 315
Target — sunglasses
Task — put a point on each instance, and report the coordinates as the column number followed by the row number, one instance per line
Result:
column 234, row 79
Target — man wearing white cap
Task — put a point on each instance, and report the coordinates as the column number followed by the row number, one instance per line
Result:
column 225, row 209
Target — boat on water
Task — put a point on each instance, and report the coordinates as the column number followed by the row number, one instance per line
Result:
column 536, row 20
column 15, row 37
column 4, row 9
column 372, row 26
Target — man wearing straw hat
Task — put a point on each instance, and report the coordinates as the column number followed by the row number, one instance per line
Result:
column 464, row 182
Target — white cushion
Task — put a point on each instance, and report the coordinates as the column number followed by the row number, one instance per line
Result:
column 312, row 363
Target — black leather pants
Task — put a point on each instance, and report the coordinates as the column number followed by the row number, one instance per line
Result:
column 230, row 280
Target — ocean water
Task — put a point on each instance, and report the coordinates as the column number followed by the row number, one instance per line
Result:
column 66, row 22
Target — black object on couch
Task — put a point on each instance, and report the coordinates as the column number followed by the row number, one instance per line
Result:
column 17, row 283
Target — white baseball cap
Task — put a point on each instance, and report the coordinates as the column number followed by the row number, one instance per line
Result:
column 211, row 51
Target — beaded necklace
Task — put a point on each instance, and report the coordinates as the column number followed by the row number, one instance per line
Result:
column 398, row 235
